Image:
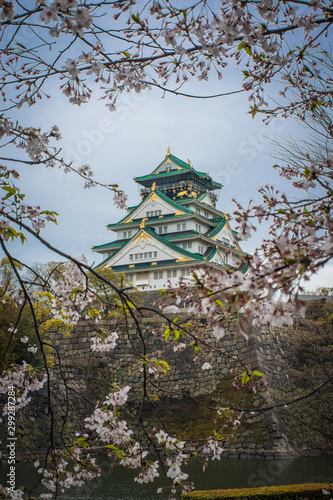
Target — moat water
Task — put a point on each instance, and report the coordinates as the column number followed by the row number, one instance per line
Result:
column 117, row 483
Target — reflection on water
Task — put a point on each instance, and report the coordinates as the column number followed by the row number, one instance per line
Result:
column 116, row 483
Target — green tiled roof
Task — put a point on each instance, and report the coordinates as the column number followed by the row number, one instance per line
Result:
column 218, row 228
column 116, row 243
column 177, row 161
column 156, row 219
column 211, row 253
column 185, row 167
column 182, row 234
column 105, row 261
column 172, row 246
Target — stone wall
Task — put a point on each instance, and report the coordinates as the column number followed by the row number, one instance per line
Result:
column 84, row 377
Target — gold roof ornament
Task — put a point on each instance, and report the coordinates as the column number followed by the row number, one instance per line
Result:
column 143, row 222
column 168, row 151
column 189, row 162
column 153, row 186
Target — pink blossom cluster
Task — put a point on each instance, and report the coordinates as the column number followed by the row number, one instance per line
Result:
column 56, row 477
column 160, row 44
column 105, row 344
column 72, row 294
column 24, row 379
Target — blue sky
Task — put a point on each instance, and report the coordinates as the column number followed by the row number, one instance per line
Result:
column 218, row 135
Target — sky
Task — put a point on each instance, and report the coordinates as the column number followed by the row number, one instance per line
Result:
column 217, row 135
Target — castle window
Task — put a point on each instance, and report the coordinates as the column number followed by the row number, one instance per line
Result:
column 225, row 240
column 187, row 245
column 131, row 277
column 158, row 275
column 154, row 213
column 141, row 256
column 198, row 228
column 181, row 227
column 201, row 250
column 125, row 235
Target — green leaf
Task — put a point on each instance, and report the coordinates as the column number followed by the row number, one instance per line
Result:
column 22, row 237
column 241, row 45
column 248, row 50
column 74, row 292
column 12, row 233
column 93, row 313
column 163, row 365
column 176, row 334
column 10, row 191
column 306, row 68
column 245, row 378
column 167, row 333
column 246, row 47
column 257, row 373
column 136, row 18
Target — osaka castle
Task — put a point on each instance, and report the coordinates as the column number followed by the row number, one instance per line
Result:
column 175, row 227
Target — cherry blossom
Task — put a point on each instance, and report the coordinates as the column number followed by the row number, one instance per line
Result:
column 105, row 344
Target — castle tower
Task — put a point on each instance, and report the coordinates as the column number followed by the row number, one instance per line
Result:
column 175, row 227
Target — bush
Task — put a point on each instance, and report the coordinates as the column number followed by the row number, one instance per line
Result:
column 293, row 491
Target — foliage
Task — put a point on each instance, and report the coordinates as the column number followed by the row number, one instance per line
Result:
column 292, row 491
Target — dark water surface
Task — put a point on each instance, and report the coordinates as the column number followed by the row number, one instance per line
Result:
column 117, row 483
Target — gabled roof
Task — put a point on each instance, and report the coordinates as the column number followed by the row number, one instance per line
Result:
column 218, row 228
column 192, row 256
column 202, row 197
column 173, row 203
column 162, row 196
column 173, row 246
column 182, row 168
column 177, row 161
column 203, row 205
